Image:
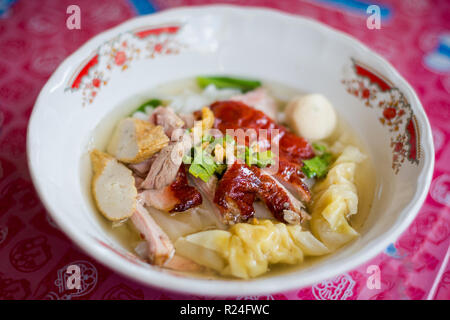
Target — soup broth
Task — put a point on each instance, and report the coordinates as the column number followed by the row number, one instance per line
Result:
column 126, row 234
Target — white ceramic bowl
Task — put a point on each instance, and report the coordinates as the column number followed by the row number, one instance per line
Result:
column 139, row 54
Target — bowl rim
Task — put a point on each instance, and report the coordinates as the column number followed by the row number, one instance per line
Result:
column 258, row 286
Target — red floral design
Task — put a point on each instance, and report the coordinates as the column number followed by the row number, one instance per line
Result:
column 96, row 82
column 123, row 292
column 120, row 58
column 378, row 93
column 14, row 289
column 120, row 52
column 31, row 254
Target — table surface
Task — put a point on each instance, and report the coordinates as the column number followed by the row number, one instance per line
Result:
column 414, row 37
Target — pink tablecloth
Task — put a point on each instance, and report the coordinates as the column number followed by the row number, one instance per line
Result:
column 414, row 37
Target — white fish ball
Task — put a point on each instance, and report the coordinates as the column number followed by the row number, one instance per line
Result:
column 311, row 116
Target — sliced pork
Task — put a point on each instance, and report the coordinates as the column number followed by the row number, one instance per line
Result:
column 165, row 164
column 260, row 100
column 291, row 176
column 169, row 120
column 159, row 247
column 141, row 168
column 236, row 192
column 292, row 149
column 281, row 203
column 241, row 185
column 237, row 115
column 176, row 197
column 188, row 120
column 208, row 191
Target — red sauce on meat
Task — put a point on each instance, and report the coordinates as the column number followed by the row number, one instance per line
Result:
column 292, row 149
column 238, row 115
column 187, row 195
column 293, row 175
column 238, row 189
column 240, row 185
column 275, row 198
column 236, row 192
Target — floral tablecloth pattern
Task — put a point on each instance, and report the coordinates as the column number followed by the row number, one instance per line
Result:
column 34, row 253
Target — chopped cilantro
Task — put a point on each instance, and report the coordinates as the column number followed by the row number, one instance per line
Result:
column 317, row 166
column 203, row 165
column 319, row 147
column 198, row 171
column 264, row 158
column 261, row 159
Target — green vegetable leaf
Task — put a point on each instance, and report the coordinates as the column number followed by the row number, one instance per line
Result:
column 187, row 159
column 229, row 139
column 209, row 164
column 228, row 82
column 199, row 172
column 264, row 158
column 207, row 138
column 319, row 147
column 317, row 166
column 203, row 165
column 150, row 103
column 220, row 168
column 261, row 159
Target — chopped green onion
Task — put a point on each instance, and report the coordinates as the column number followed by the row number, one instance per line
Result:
column 261, row 159
column 249, row 157
column 199, row 172
column 209, row 163
column 319, row 147
column 220, row 168
column 264, row 158
column 207, row 138
column 187, row 159
column 229, row 139
column 203, row 166
column 317, row 166
column 227, row 82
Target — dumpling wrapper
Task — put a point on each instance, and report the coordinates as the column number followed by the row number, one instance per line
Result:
column 335, row 199
column 247, row 250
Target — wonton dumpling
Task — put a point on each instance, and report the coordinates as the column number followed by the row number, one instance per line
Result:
column 335, row 199
column 307, row 242
column 247, row 249
column 183, row 223
column 333, row 239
